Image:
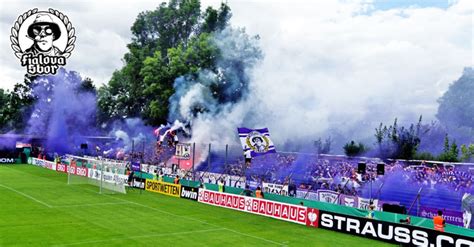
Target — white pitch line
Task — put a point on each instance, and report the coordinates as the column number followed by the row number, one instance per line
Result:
column 90, row 204
column 46, row 225
column 143, row 236
column 197, row 220
column 27, row 196
column 187, row 217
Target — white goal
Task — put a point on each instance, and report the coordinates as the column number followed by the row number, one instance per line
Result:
column 108, row 175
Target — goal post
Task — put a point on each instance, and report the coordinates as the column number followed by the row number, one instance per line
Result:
column 108, row 175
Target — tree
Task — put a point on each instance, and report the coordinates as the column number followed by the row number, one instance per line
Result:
column 446, row 144
column 379, row 135
column 114, row 99
column 159, row 75
column 454, row 151
column 471, row 151
column 467, row 152
column 456, row 106
column 353, row 149
column 4, row 108
column 168, row 42
column 323, row 148
column 16, row 105
column 450, row 152
column 87, row 85
column 216, row 20
column 398, row 142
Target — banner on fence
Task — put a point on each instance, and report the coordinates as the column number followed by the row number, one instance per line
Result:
column 309, row 195
column 364, row 203
column 328, row 196
column 234, row 181
column 450, row 216
column 277, row 210
column 148, row 168
column 163, row 188
column 278, row 189
column 349, row 201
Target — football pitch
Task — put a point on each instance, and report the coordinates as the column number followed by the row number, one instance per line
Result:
column 38, row 208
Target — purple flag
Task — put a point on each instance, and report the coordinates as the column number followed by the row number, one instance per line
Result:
column 256, row 141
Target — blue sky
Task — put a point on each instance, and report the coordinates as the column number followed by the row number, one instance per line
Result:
column 391, row 4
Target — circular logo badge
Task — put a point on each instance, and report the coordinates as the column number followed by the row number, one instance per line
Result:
column 42, row 40
column 257, row 142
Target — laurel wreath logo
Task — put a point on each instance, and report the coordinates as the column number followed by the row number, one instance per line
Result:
column 16, row 29
column 265, row 139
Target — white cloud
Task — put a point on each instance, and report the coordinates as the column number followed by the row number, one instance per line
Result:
column 327, row 63
column 334, row 65
column 334, row 68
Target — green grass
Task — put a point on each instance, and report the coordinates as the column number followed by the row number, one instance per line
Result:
column 38, row 208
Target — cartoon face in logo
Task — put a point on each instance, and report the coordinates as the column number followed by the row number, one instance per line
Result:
column 257, row 142
column 42, row 40
column 43, row 31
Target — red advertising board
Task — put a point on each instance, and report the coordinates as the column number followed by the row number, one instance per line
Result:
column 81, row 171
column 61, row 168
column 312, row 217
column 71, row 169
column 277, row 210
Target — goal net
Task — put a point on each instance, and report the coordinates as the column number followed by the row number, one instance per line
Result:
column 108, row 175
